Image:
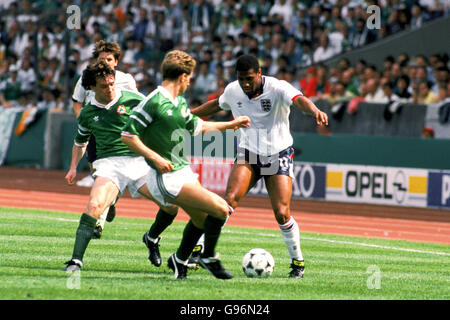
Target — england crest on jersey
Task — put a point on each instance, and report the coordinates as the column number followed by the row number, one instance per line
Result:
column 266, row 105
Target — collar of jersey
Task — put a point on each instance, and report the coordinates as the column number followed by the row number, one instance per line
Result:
column 107, row 106
column 166, row 94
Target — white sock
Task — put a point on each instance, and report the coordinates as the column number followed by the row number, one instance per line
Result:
column 102, row 219
column 291, row 237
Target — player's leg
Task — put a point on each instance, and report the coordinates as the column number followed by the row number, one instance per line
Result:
column 103, row 192
column 163, row 219
column 279, row 188
column 242, row 178
column 194, row 198
column 178, row 261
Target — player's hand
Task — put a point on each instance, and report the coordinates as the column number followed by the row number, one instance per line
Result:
column 70, row 176
column 321, row 118
column 241, row 122
column 163, row 165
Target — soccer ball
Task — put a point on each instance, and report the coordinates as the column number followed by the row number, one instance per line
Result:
column 258, row 263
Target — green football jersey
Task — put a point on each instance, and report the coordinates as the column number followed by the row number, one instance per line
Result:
column 162, row 123
column 106, row 122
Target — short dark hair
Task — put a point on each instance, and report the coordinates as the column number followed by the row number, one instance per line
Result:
column 247, row 62
column 93, row 71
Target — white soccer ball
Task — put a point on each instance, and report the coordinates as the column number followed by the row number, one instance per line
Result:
column 258, row 263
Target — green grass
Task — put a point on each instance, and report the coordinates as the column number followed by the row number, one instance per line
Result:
column 35, row 243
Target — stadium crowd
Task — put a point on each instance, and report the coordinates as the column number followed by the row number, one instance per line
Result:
column 290, row 38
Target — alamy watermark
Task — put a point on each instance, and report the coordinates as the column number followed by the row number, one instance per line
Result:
column 374, row 19
column 220, row 145
column 74, row 280
column 74, row 17
column 374, row 279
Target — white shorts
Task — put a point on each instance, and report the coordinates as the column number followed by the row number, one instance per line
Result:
column 164, row 187
column 125, row 172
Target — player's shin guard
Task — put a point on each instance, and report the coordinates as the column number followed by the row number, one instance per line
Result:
column 83, row 236
column 291, row 236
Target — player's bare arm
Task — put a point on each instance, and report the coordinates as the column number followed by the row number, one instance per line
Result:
column 77, row 108
column 207, row 109
column 239, row 122
column 307, row 106
column 137, row 146
column 77, row 155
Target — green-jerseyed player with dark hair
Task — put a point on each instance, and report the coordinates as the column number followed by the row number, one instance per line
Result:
column 155, row 131
column 116, row 167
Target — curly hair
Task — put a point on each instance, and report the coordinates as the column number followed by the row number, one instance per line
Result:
column 175, row 63
column 93, row 71
column 109, row 47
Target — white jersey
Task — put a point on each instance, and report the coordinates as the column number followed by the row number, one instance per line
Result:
column 123, row 81
column 269, row 131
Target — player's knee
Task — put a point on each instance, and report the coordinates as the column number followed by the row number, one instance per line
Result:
column 232, row 199
column 221, row 209
column 95, row 208
column 172, row 210
column 282, row 214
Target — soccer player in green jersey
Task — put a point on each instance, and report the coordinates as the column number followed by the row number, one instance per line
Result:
column 116, row 166
column 110, row 53
column 156, row 130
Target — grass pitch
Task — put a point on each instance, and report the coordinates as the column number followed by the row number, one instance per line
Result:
column 34, row 244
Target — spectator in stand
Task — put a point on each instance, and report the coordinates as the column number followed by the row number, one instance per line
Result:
column 222, row 115
column 52, row 78
column 95, row 16
column 140, row 31
column 428, row 133
column 26, row 75
column 325, row 50
column 306, row 57
column 283, row 9
column 374, row 93
column 363, row 35
column 201, row 15
column 115, row 33
column 308, row 84
column 57, row 49
column 338, row 36
column 442, row 94
column 11, row 88
column 388, row 91
column 441, row 78
column 349, row 81
column 425, row 95
column 418, row 17
column 47, row 101
column 322, row 86
column 84, row 47
column 205, row 82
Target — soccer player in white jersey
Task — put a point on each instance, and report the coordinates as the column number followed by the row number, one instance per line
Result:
column 110, row 53
column 265, row 149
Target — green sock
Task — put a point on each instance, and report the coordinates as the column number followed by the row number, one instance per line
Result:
column 191, row 234
column 83, row 235
column 213, row 228
column 162, row 221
